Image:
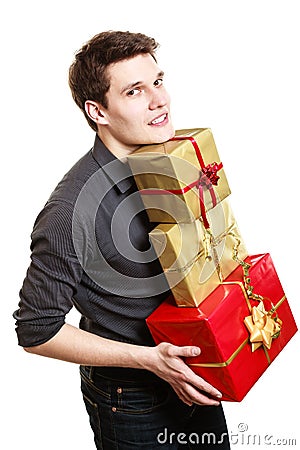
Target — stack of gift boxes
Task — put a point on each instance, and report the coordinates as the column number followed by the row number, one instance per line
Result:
column 228, row 303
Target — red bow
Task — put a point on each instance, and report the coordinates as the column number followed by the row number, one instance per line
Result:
column 208, row 175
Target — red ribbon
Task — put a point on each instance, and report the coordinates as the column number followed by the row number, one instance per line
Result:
column 208, row 178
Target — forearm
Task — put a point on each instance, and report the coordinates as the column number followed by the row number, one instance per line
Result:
column 78, row 346
column 165, row 360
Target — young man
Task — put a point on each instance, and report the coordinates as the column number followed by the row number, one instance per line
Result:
column 90, row 248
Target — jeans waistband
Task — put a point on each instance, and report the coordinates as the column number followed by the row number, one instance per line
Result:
column 123, row 373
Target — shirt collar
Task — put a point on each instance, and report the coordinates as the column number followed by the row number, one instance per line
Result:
column 121, row 175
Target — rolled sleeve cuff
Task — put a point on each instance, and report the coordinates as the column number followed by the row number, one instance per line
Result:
column 32, row 334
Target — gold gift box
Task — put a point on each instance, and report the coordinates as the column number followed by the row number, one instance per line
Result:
column 168, row 173
column 195, row 260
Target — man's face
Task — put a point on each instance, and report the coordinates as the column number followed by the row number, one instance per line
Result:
column 138, row 109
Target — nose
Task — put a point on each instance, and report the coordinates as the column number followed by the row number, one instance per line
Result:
column 159, row 98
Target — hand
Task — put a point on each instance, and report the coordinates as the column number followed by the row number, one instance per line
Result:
column 168, row 364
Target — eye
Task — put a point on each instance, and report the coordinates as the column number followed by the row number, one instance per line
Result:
column 158, row 82
column 133, row 92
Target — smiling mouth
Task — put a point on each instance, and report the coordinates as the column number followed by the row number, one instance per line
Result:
column 159, row 120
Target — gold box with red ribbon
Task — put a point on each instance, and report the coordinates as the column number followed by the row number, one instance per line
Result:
column 195, row 259
column 179, row 180
column 240, row 328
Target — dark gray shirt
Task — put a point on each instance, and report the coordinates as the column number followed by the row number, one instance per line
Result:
column 90, row 249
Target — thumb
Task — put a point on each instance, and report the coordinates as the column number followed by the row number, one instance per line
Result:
column 188, row 351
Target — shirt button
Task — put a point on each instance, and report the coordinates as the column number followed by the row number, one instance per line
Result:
column 119, row 390
column 114, row 409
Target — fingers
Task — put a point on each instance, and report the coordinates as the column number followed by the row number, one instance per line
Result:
column 183, row 396
column 199, row 384
column 200, row 396
column 194, row 382
column 189, row 387
column 189, row 395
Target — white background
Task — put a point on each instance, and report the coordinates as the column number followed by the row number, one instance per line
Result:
column 232, row 66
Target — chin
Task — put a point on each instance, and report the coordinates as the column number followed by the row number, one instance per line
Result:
column 164, row 136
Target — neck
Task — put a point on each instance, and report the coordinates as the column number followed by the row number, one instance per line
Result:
column 118, row 149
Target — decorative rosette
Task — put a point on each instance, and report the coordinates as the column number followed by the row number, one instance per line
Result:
column 263, row 326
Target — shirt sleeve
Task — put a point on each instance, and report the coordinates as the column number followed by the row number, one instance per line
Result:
column 52, row 277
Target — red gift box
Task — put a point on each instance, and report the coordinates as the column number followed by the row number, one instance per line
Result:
column 228, row 360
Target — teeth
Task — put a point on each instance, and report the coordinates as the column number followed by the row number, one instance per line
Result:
column 159, row 119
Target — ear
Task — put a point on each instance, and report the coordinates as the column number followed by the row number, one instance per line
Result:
column 95, row 112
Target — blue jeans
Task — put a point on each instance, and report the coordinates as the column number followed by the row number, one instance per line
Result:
column 144, row 414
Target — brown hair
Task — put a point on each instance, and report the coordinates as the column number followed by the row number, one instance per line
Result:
column 88, row 79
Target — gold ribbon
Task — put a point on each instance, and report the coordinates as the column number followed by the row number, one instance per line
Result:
column 224, row 363
column 211, row 242
column 209, row 253
column 262, row 325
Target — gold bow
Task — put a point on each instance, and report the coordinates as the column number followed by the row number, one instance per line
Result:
column 262, row 326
